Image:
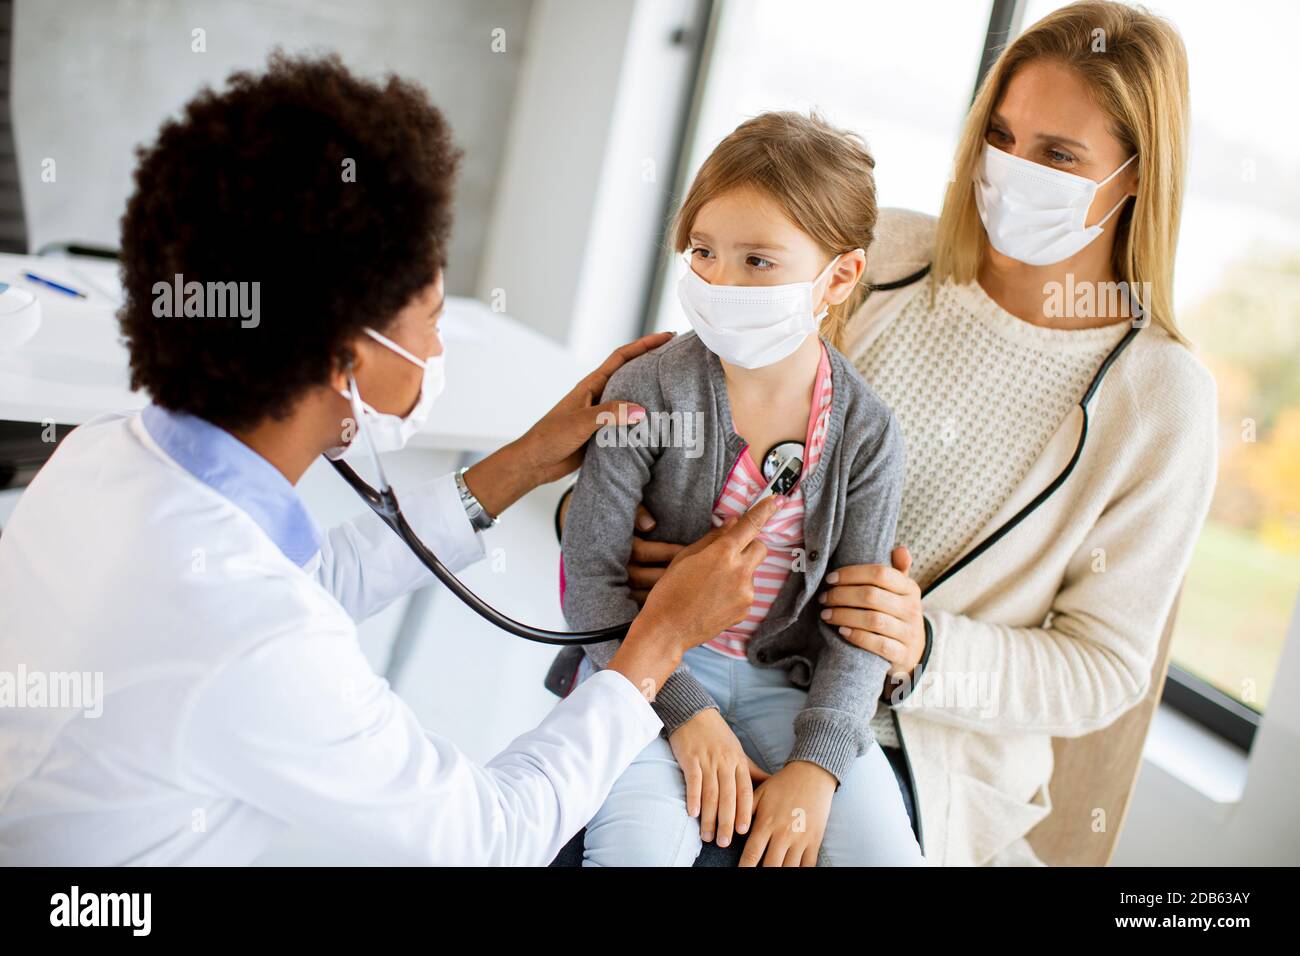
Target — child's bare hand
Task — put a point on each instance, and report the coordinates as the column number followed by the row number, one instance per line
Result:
column 790, row 814
column 719, row 787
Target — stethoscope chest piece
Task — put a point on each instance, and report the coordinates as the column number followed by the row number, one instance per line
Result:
column 781, row 467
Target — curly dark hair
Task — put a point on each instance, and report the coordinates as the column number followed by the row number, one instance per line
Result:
column 250, row 184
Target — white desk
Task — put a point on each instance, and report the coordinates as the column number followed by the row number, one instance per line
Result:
column 501, row 375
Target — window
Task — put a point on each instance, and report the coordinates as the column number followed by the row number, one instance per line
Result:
column 1237, row 296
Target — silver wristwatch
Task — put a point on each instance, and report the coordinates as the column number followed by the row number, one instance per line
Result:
column 478, row 516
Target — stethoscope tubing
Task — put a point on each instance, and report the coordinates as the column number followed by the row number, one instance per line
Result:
column 384, row 504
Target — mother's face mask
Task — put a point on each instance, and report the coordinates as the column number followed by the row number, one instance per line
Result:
column 1033, row 213
column 388, row 432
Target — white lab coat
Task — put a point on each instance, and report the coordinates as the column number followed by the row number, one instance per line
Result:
column 235, row 697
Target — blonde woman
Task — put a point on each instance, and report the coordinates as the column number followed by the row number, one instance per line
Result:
column 1060, row 432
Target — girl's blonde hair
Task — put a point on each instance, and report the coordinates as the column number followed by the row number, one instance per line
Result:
column 819, row 175
column 1136, row 67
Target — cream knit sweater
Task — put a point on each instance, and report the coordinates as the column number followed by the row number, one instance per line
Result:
column 1052, row 631
column 978, row 393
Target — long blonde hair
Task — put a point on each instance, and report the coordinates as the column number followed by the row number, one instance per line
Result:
column 821, row 177
column 1135, row 65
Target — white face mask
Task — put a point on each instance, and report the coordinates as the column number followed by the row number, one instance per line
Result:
column 392, row 432
column 750, row 325
column 1033, row 213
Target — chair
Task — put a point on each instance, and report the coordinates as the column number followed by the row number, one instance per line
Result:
column 1098, row 771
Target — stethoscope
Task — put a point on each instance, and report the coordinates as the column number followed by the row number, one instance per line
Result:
column 781, row 466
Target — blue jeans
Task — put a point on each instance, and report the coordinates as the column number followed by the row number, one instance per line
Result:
column 643, row 821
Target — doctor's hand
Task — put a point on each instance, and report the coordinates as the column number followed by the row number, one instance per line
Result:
column 553, row 447
column 708, row 588
column 878, row 608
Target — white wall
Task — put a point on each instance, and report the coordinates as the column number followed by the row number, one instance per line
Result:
column 94, row 78
column 593, row 141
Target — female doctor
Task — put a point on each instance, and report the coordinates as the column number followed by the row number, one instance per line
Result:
column 167, row 555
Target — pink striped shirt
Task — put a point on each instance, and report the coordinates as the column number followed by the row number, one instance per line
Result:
column 783, row 533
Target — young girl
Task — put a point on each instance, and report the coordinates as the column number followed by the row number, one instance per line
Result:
column 775, row 229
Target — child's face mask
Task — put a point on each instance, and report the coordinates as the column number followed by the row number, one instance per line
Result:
column 751, row 325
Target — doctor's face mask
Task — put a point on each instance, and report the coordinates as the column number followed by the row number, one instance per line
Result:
column 388, row 432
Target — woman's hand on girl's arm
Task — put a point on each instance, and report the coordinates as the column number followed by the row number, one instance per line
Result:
column 878, row 608
column 649, row 559
column 800, row 792
column 718, row 775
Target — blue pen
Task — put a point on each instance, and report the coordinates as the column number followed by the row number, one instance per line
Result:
column 54, row 285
